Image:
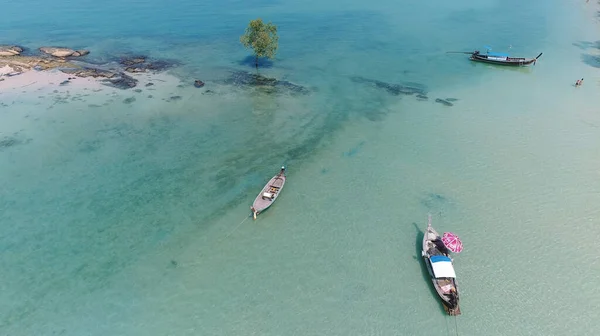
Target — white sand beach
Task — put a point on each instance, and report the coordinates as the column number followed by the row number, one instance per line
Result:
column 33, row 80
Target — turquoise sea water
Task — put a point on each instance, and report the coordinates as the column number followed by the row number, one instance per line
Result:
column 122, row 219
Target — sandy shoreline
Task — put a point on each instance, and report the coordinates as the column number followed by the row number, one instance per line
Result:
column 33, row 80
column 58, row 66
column 30, row 81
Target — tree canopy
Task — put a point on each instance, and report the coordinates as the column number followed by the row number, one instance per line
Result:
column 261, row 38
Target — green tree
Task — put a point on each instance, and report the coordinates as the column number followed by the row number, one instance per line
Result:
column 261, row 38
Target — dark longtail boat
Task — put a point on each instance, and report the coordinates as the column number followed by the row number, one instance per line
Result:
column 502, row 59
column 441, row 269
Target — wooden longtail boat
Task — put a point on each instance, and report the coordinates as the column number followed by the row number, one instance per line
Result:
column 269, row 193
column 440, row 267
column 502, row 59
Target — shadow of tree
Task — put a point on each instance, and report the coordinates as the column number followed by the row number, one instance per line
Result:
column 263, row 62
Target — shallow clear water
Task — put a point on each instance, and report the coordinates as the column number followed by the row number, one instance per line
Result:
column 122, row 219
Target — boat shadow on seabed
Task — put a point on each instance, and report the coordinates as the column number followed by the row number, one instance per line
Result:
column 497, row 67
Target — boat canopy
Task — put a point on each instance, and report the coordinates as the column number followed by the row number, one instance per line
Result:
column 495, row 54
column 442, row 267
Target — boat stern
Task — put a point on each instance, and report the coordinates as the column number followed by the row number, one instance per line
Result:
column 452, row 306
column 453, row 311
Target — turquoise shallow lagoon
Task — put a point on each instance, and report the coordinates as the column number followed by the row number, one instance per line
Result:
column 122, row 218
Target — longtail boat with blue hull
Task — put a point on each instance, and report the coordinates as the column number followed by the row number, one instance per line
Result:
column 502, row 59
column 498, row 58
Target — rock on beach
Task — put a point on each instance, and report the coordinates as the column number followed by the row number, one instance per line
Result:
column 10, row 50
column 13, row 63
column 116, row 79
column 63, row 52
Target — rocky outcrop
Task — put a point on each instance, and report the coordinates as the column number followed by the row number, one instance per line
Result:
column 113, row 78
column 133, row 64
column 60, row 58
column 132, row 61
column 198, row 83
column 394, row 89
column 10, row 50
column 443, row 102
column 265, row 84
column 24, row 63
column 89, row 72
column 63, row 52
column 409, row 89
column 138, row 63
column 81, row 52
column 122, row 81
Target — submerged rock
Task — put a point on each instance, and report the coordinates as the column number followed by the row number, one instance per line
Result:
column 139, row 63
column 174, row 98
column 268, row 84
column 444, row 102
column 20, row 63
column 243, row 78
column 128, row 100
column 10, row 50
column 63, row 52
column 79, row 53
column 394, row 89
column 89, row 72
column 134, row 70
column 115, row 79
column 122, row 81
column 422, row 97
column 160, row 65
column 8, row 142
column 198, row 83
column 129, row 61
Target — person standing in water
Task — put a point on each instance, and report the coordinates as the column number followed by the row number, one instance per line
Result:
column 579, row 82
